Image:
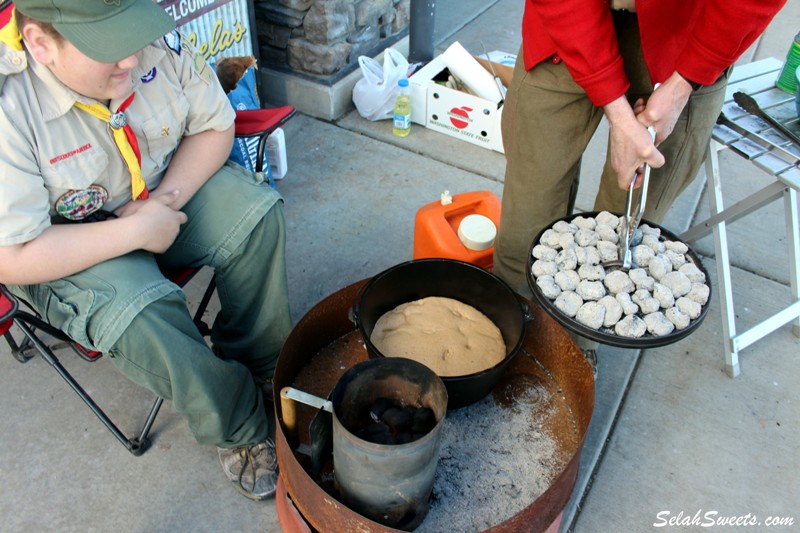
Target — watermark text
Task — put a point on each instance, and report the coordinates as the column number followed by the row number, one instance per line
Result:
column 713, row 518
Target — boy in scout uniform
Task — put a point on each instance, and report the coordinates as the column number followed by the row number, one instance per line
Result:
column 113, row 166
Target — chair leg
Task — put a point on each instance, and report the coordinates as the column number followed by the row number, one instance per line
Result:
column 205, row 329
column 136, row 446
column 21, row 352
column 139, row 445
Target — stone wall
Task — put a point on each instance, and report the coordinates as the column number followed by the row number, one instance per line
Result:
column 323, row 38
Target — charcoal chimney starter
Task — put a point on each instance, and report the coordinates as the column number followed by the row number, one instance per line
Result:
column 388, row 483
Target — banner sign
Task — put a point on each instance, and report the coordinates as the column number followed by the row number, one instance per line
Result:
column 217, row 28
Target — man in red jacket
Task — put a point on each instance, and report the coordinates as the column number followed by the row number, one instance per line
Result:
column 582, row 60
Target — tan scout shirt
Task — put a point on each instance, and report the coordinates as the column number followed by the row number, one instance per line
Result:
column 52, row 149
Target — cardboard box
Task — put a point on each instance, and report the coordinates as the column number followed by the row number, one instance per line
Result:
column 455, row 113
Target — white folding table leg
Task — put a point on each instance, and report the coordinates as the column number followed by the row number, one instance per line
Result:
column 790, row 201
column 714, row 188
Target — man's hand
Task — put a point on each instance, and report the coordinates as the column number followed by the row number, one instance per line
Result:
column 630, row 144
column 665, row 106
column 158, row 221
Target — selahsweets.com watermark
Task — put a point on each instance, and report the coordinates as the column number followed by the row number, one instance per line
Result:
column 712, row 518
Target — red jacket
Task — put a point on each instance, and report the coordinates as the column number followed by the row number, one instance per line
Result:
column 698, row 38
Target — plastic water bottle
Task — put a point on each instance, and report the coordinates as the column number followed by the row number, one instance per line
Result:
column 276, row 154
column 402, row 110
column 787, row 79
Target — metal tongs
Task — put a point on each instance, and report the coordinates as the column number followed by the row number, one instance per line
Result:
column 749, row 104
column 631, row 223
column 497, row 80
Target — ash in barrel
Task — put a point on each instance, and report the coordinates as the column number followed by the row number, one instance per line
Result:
column 390, row 423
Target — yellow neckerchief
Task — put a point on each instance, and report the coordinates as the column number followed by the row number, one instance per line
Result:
column 125, row 140
column 123, row 135
column 9, row 33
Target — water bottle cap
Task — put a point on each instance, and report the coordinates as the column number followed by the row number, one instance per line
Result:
column 403, row 83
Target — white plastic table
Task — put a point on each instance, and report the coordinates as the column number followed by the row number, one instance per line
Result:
column 756, row 140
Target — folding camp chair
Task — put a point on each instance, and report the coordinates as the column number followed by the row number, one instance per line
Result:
column 252, row 123
column 259, row 123
column 30, row 324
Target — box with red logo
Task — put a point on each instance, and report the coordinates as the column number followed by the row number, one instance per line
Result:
column 456, row 113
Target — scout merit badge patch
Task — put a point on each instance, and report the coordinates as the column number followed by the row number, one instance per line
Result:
column 76, row 205
column 149, row 76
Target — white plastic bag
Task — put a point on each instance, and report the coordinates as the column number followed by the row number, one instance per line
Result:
column 375, row 93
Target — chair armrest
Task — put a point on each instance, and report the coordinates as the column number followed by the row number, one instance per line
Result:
column 8, row 308
column 252, row 122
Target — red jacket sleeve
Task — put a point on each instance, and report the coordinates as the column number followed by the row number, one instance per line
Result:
column 723, row 31
column 582, row 33
column 698, row 38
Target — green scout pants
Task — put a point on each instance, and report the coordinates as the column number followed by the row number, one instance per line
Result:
column 126, row 307
column 547, row 123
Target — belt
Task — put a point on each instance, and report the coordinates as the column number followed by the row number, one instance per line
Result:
column 623, row 5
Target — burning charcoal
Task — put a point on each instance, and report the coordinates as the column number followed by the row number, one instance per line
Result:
column 587, row 256
column 584, row 222
column 607, row 233
column 564, row 227
column 567, row 280
column 677, row 260
column 566, row 260
column 397, row 418
column 540, row 251
column 402, row 438
column 548, row 286
column 608, row 219
column 659, row 266
column 540, row 267
column 381, row 405
column 652, row 240
column 378, row 433
column 424, row 421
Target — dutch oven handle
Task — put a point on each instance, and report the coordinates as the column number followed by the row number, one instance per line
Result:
column 352, row 314
column 527, row 311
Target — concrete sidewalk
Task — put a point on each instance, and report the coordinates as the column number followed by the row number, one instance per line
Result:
column 672, row 435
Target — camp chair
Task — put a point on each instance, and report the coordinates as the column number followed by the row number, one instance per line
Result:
column 256, row 123
column 30, row 324
column 260, row 123
column 253, row 123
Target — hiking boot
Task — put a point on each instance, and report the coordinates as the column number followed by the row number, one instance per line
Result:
column 265, row 385
column 252, row 469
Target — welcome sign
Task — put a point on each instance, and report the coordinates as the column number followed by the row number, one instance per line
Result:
column 217, row 28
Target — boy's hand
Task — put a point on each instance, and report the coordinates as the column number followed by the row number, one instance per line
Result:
column 157, row 221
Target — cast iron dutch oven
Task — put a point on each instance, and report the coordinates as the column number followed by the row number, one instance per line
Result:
column 454, row 279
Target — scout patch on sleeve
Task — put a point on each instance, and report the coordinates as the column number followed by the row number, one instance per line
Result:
column 173, row 41
column 76, row 205
column 149, row 76
column 198, row 62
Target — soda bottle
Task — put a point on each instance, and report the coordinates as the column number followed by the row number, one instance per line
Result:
column 402, row 110
column 787, row 80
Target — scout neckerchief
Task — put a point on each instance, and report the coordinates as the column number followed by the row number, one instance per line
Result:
column 125, row 140
column 124, row 137
column 9, row 33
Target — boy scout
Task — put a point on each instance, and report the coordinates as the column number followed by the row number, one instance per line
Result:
column 113, row 166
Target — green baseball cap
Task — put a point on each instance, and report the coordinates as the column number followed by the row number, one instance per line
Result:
column 105, row 30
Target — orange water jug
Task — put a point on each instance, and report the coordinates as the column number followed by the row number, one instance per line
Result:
column 460, row 227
